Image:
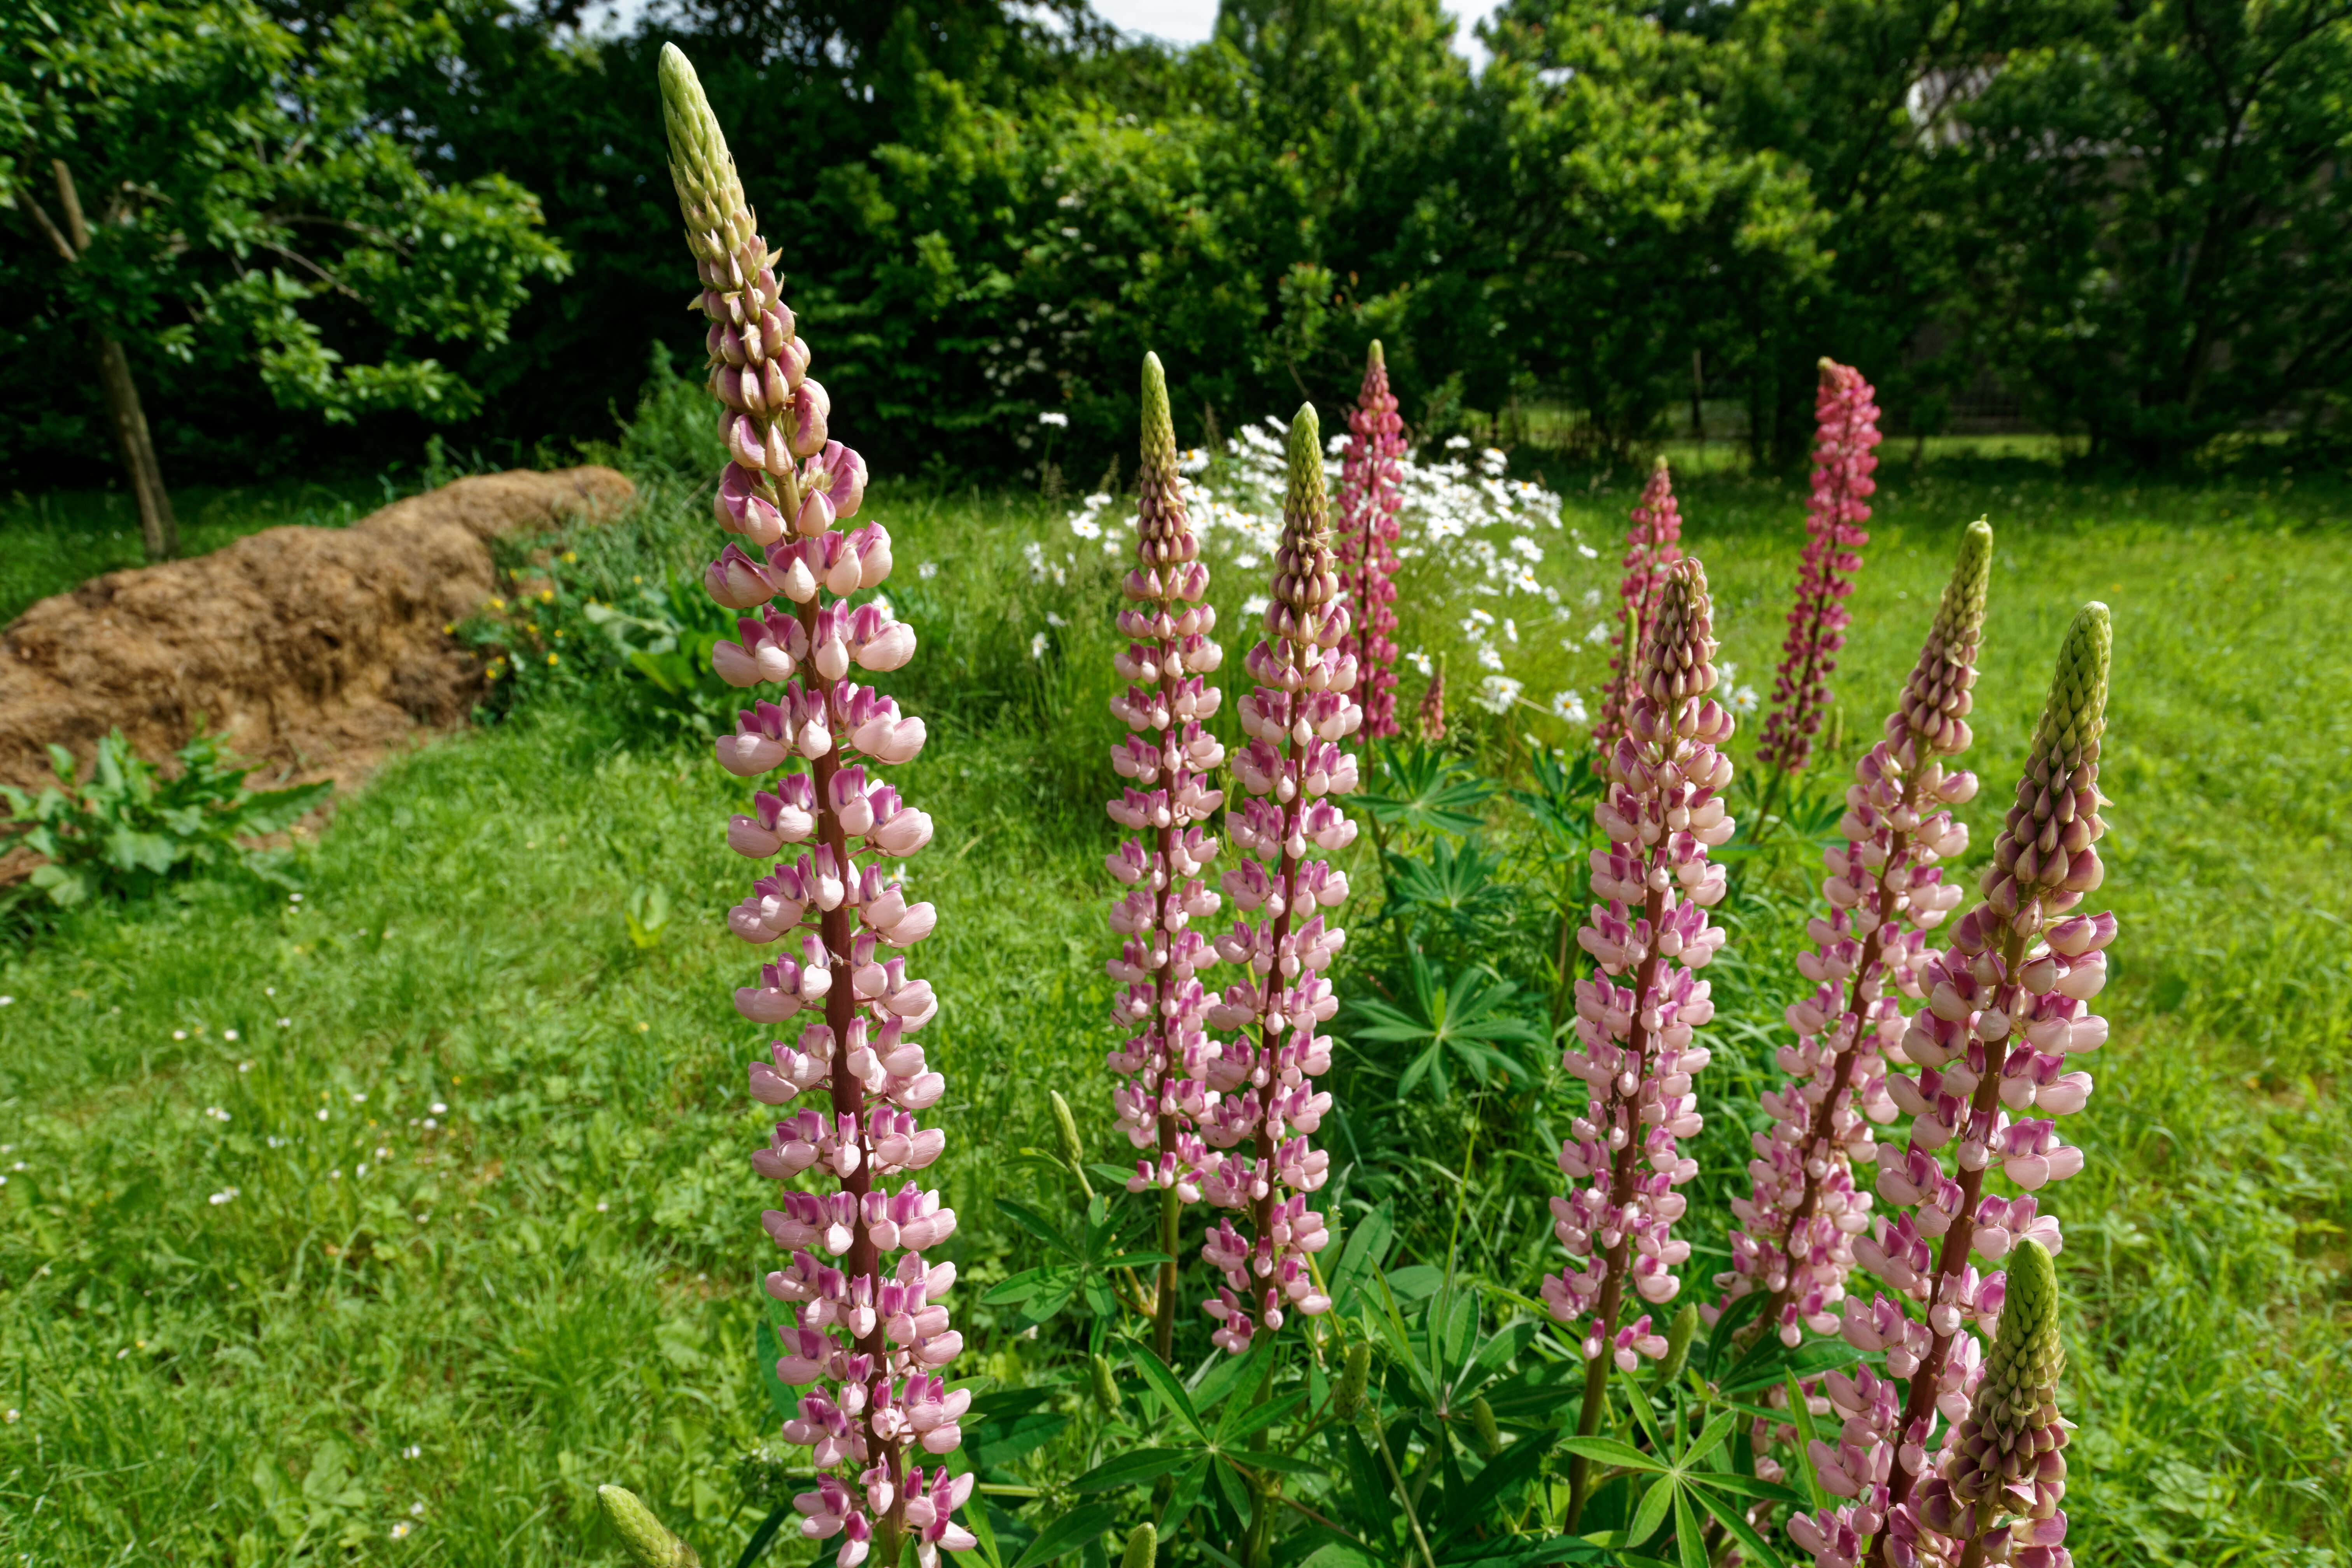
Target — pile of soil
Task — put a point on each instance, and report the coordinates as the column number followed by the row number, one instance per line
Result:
column 320, row 649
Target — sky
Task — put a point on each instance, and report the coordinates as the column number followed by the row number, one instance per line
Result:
column 1189, row 21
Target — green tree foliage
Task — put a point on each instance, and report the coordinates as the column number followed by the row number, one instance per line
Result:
column 250, row 212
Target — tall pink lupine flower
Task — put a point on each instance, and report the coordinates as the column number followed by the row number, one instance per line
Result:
column 1845, row 453
column 1885, row 892
column 1171, row 758
column 1369, row 497
column 871, row 1335
column 1663, row 811
column 1295, row 718
column 2006, row 1006
column 1652, row 544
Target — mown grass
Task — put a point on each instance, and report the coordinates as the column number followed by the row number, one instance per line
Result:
column 553, row 1285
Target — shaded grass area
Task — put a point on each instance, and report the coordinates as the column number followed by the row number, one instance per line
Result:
column 553, row 1284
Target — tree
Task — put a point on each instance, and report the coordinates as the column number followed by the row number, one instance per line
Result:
column 228, row 195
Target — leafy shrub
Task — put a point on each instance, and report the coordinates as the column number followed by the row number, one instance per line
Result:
column 127, row 830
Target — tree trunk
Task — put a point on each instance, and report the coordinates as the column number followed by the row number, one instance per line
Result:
column 157, row 526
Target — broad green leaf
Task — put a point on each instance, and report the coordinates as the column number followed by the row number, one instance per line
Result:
column 758, row 1545
column 1652, row 1510
column 1036, row 1225
column 1131, row 1470
column 1803, row 1417
column 1513, row 1467
column 1747, row 1486
column 1710, row 1437
column 1020, row 1287
column 1163, row 1383
column 1610, row 1451
column 1230, row 1482
column 1690, row 1549
column 1187, row 1492
column 1340, row 1554
column 1233, row 1429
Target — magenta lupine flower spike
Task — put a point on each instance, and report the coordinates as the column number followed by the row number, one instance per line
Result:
column 1300, row 711
column 1171, row 760
column 1845, row 452
column 870, row 1335
column 1663, row 810
column 2007, row 1005
column 1652, row 544
column 1369, row 495
column 1433, row 705
column 1885, row 892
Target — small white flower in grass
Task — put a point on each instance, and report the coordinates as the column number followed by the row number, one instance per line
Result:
column 224, row 1195
column 1037, row 646
column 1056, row 622
column 1745, row 699
column 400, row 1531
column 362, row 1170
column 416, row 1509
column 1457, row 443
column 1587, row 550
column 928, row 569
column 217, row 1113
column 322, row 1113
column 1488, row 658
column 14, row 1416
column 430, row 1124
column 1599, row 634
column 293, row 898
column 1570, row 705
column 285, row 1023
column 603, row 1208
column 1057, row 420
column 1255, row 605
column 8, row 1001
column 270, row 990
column 277, row 1143
column 1420, row 661
column 357, row 1097
column 179, row 1034
column 336, row 1175
column 1510, row 629
column 1592, row 599
column 1497, row 693
column 440, row 1109
column 228, row 1034
column 413, row 1451
column 244, row 1067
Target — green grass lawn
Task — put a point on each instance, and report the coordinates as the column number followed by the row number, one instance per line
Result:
column 381, row 1225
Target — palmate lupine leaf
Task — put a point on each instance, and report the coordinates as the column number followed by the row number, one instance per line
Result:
column 1458, row 1018
column 1428, row 792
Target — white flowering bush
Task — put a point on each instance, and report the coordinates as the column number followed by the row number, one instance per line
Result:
column 1491, row 575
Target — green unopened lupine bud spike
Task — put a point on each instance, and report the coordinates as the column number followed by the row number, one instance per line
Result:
column 709, row 194
column 1105, row 1385
column 1066, row 1129
column 1159, row 424
column 648, row 1541
column 1304, row 498
column 1142, row 1547
column 1489, row 1431
column 1355, row 1373
column 2006, row 1458
column 1679, row 1334
column 2044, row 860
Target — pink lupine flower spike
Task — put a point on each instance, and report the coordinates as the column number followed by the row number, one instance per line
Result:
column 1663, row 809
column 1369, row 498
column 869, row 1335
column 1171, row 758
column 1296, row 716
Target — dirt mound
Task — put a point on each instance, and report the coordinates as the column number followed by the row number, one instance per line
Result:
column 320, row 648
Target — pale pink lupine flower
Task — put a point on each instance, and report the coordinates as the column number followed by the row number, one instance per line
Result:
column 1297, row 715
column 1652, row 544
column 1369, row 498
column 2006, row 1009
column 1885, row 889
column 1845, row 452
column 869, row 1335
column 1633, row 1047
column 1171, row 760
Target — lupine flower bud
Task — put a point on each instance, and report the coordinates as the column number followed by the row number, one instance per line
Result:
column 2004, row 1472
column 647, row 1539
column 2005, row 1012
column 1633, row 1047
column 1844, row 455
column 1142, row 1547
column 869, row 1335
column 1105, row 1381
column 1355, row 1375
column 1652, row 543
column 1369, row 498
column 1797, row 1227
column 1296, row 720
